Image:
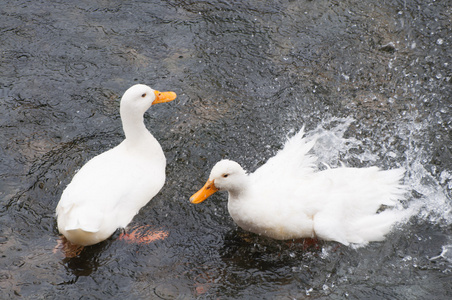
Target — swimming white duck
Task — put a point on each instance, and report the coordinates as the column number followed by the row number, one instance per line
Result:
column 109, row 190
column 288, row 198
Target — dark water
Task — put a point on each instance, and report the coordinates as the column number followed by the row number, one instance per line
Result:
column 373, row 78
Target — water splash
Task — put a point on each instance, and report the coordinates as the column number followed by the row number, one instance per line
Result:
column 429, row 195
column 446, row 254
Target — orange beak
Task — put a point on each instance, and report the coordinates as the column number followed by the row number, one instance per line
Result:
column 208, row 189
column 162, row 97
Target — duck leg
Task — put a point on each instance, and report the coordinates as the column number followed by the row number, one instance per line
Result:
column 144, row 234
column 69, row 250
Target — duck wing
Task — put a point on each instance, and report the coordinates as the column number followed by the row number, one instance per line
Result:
column 291, row 164
column 109, row 189
column 351, row 198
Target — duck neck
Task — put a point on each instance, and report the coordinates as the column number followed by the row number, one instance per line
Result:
column 133, row 126
column 240, row 190
column 237, row 198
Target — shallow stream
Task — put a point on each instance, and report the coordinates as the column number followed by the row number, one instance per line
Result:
column 372, row 78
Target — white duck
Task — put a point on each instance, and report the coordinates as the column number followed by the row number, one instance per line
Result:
column 109, row 190
column 287, row 198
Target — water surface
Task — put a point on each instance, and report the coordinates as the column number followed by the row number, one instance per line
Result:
column 373, row 79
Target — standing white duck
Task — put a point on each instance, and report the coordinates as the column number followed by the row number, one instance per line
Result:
column 288, row 198
column 109, row 190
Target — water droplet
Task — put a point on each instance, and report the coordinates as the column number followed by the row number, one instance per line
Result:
column 407, row 258
column 440, row 41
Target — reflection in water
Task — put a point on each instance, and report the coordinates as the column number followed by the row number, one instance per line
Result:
column 84, row 264
column 373, row 79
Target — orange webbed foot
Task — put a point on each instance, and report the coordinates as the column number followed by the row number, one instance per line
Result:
column 69, row 250
column 143, row 235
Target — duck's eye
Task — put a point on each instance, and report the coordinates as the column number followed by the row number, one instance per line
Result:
column 225, row 175
column 144, row 95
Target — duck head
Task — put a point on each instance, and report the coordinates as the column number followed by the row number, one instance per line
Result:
column 140, row 97
column 225, row 175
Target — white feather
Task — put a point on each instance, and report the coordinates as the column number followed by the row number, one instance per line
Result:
column 288, row 198
column 109, row 190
